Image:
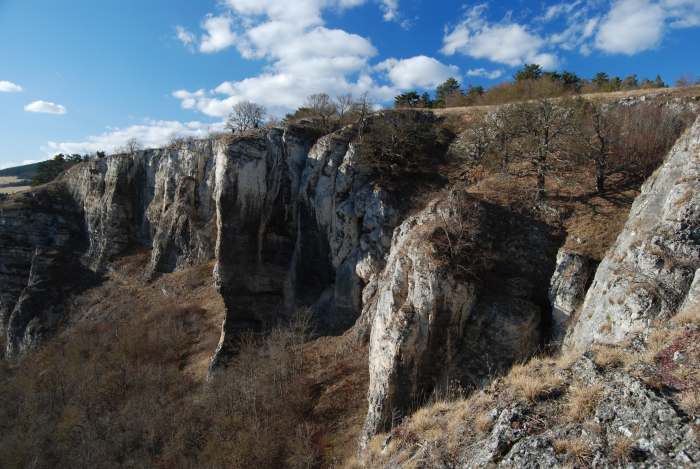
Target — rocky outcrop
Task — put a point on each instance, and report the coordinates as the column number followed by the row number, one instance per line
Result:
column 630, row 425
column 298, row 227
column 567, row 290
column 292, row 223
column 159, row 198
column 41, row 236
column 441, row 317
column 648, row 273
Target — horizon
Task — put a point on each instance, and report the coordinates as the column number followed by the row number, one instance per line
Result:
column 90, row 77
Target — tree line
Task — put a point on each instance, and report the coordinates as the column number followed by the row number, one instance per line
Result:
column 530, row 82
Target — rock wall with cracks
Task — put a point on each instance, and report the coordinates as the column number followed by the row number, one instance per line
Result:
column 648, row 274
column 290, row 219
column 434, row 326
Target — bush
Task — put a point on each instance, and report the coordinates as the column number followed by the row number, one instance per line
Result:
column 397, row 145
column 117, row 396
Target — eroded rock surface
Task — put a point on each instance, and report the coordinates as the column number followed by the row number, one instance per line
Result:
column 434, row 324
column 568, row 290
column 41, row 237
column 648, row 273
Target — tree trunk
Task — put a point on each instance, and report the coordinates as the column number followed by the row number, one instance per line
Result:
column 600, row 176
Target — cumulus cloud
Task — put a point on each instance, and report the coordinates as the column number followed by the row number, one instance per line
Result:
column 9, row 87
column 417, row 72
column 620, row 26
column 152, row 133
column 45, row 107
column 218, row 36
column 304, row 56
column 483, row 73
column 505, row 42
column 630, row 27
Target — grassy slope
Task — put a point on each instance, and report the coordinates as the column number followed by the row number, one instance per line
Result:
column 26, row 171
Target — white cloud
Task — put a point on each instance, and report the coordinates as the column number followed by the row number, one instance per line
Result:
column 219, row 35
column 390, row 9
column 9, row 87
column 483, row 73
column 45, row 107
column 630, row 27
column 682, row 13
column 417, row 72
column 506, row 42
column 187, row 38
column 151, row 134
column 304, row 56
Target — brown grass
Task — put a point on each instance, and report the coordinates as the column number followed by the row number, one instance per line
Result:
column 532, row 381
column 10, row 185
column 689, row 401
column 621, row 450
column 690, row 315
column 577, row 450
column 582, row 401
column 607, row 356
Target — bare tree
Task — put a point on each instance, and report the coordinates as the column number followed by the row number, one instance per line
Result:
column 362, row 108
column 503, row 132
column 598, row 134
column 321, row 105
column 543, row 127
column 246, row 115
column 344, row 104
column 132, row 146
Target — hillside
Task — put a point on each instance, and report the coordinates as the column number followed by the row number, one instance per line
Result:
column 394, row 293
column 25, row 172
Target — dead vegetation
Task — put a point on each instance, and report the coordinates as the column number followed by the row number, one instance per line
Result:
column 553, row 397
column 124, row 386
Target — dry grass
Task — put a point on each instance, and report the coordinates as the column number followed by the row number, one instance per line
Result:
column 608, row 357
column 621, row 450
column 658, row 340
column 10, row 185
column 533, row 381
column 577, row 450
column 689, row 401
column 582, row 401
column 687, row 316
column 483, row 422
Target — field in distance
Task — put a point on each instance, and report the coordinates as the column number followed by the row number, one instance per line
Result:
column 12, row 184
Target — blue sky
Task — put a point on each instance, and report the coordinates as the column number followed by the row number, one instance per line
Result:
column 85, row 75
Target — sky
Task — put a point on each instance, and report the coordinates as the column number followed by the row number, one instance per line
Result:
column 78, row 76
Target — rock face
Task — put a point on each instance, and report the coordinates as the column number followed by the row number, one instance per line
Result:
column 648, row 273
column 298, row 226
column 156, row 198
column 41, row 235
column 658, row 434
column 293, row 223
column 434, row 325
column 568, row 290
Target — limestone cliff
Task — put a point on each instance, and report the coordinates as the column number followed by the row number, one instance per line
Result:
column 648, row 274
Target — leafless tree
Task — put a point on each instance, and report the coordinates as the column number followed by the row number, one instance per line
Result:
column 344, row 104
column 321, row 105
column 599, row 130
column 246, row 115
column 542, row 127
column 362, row 108
column 132, row 146
column 503, row 132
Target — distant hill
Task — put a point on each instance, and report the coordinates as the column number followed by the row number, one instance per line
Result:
column 26, row 171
